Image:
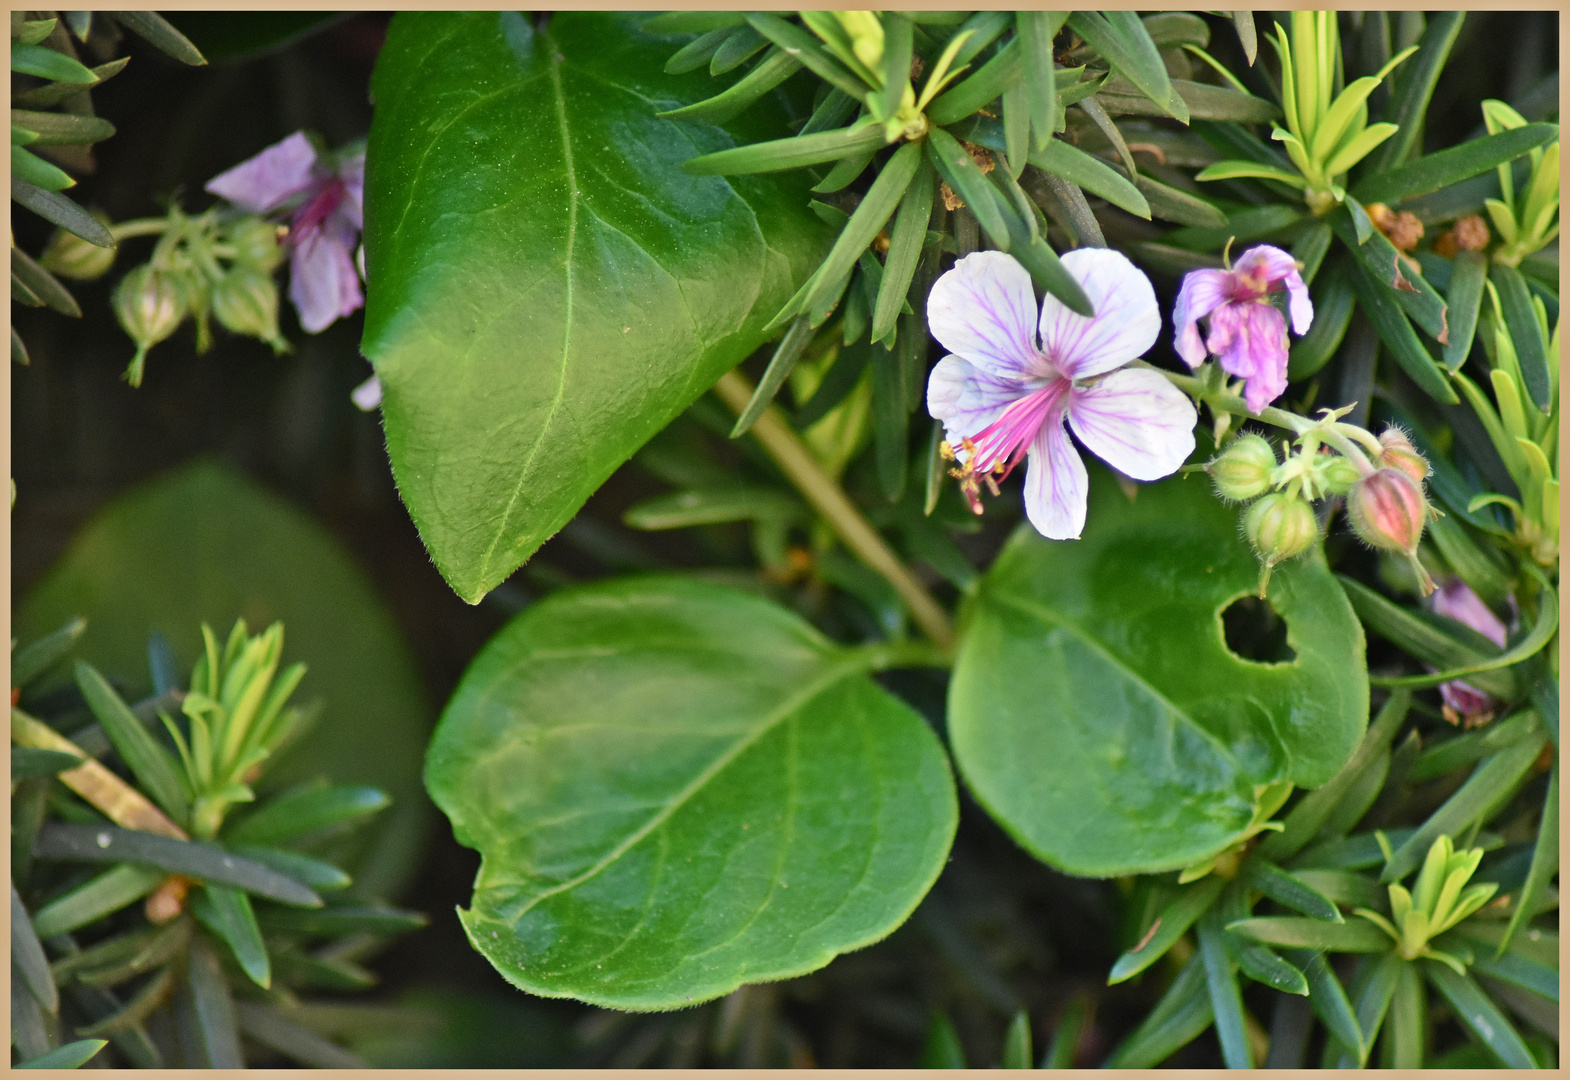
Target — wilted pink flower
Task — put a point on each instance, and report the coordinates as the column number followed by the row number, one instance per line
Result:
column 325, row 198
column 1465, row 703
column 1002, row 395
column 1247, row 332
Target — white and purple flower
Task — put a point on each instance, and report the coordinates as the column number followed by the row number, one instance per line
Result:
column 1247, row 331
column 1464, row 703
column 1003, row 393
column 326, row 199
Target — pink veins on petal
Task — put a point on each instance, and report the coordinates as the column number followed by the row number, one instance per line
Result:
column 1248, row 334
column 1003, row 397
column 325, row 224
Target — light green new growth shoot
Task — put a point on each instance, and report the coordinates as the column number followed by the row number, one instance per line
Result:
column 1437, row 904
column 1526, row 222
column 237, row 714
column 1323, row 137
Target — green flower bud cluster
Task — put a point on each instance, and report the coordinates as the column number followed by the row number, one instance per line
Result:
column 1279, row 522
column 202, row 268
column 1382, row 480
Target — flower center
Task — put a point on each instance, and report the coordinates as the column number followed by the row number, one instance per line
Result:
column 317, row 209
column 993, row 452
column 1249, row 285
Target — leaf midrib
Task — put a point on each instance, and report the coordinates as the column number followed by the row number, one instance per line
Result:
column 843, row 668
column 1055, row 618
column 554, row 63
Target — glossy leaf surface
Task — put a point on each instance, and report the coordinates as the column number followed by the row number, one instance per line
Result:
column 1096, row 710
column 550, row 287
column 678, row 788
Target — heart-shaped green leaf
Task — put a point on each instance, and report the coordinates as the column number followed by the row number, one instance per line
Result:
column 1096, row 710
column 548, row 287
column 678, row 788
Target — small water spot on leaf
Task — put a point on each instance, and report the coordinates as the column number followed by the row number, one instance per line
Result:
column 1255, row 632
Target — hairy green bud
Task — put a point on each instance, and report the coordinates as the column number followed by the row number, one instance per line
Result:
column 1338, row 474
column 245, row 300
column 1242, row 471
column 1280, row 526
column 150, row 305
column 255, row 243
column 69, row 256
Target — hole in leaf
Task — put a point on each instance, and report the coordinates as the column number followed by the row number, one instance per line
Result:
column 1254, row 631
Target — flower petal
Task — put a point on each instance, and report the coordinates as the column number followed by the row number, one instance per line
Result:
column 368, row 395
column 352, row 172
column 966, row 398
column 322, row 280
column 1135, row 421
column 984, row 310
column 1455, row 600
column 1251, row 341
column 1466, row 699
column 1125, row 325
column 1278, row 267
column 1201, row 293
column 1055, row 483
column 269, row 179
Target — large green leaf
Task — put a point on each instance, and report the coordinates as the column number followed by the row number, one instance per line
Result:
column 678, row 788
column 1096, row 710
column 203, row 543
column 548, row 287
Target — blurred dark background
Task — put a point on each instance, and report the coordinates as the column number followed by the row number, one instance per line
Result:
column 1000, row 931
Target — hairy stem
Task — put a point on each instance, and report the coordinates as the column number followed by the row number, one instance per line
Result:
column 1231, row 402
column 125, row 230
column 830, row 500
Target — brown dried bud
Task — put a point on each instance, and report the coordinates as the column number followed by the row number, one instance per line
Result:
column 166, row 902
column 1469, row 234
column 1403, row 230
column 951, row 201
column 981, row 157
column 1472, row 233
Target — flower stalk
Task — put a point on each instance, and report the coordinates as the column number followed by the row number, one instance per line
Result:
column 829, row 499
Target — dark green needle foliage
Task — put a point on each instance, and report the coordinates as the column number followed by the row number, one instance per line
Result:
column 163, row 914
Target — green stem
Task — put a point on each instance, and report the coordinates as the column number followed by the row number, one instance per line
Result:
column 1221, row 400
column 1349, row 450
column 139, row 227
column 829, row 499
column 882, row 655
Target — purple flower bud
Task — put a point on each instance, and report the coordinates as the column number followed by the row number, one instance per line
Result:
column 1399, row 452
column 1388, row 510
column 1465, row 704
